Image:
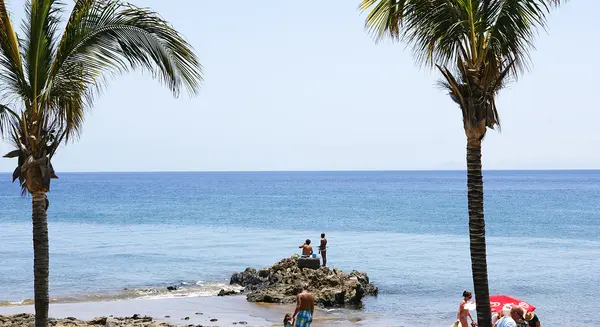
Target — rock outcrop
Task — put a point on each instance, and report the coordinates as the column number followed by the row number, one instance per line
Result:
column 26, row 320
column 226, row 292
column 330, row 287
column 310, row 262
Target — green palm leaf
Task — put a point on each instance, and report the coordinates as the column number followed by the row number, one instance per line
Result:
column 40, row 29
column 109, row 38
column 385, row 17
column 12, row 78
column 7, row 119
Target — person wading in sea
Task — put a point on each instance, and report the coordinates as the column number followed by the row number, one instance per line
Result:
column 305, row 306
column 323, row 249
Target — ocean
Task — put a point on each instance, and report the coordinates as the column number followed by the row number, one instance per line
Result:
column 130, row 235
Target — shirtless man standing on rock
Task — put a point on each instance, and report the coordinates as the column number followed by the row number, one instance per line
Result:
column 305, row 306
column 323, row 249
column 306, row 248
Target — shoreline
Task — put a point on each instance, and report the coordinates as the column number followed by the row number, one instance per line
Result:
column 167, row 291
column 228, row 310
column 198, row 310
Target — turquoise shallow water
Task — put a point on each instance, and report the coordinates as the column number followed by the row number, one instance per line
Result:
column 408, row 230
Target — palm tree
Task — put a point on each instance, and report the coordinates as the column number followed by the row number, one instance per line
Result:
column 478, row 46
column 48, row 81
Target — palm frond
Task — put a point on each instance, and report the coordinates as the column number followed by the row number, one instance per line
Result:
column 454, row 87
column 110, row 38
column 385, row 17
column 475, row 91
column 437, row 30
column 40, row 26
column 7, row 119
column 512, row 29
column 12, row 78
column 11, row 128
column 485, row 42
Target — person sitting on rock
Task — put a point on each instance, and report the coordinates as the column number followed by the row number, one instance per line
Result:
column 307, row 250
column 305, row 306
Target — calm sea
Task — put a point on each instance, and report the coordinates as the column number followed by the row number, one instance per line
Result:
column 119, row 235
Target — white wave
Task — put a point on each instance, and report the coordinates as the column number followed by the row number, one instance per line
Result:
column 208, row 289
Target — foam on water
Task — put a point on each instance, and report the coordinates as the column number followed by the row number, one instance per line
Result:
column 201, row 289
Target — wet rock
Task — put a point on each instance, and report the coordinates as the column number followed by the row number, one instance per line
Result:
column 98, row 321
column 186, row 318
column 214, row 319
column 167, row 316
column 246, row 278
column 27, row 320
column 330, row 287
column 172, row 288
column 226, row 293
column 18, row 320
column 199, row 313
column 310, row 262
column 243, row 322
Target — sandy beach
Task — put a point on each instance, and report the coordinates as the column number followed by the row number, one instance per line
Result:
column 229, row 311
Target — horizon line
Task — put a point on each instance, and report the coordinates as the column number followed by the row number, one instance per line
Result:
column 309, row 170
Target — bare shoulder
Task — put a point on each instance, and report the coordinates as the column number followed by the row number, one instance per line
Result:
column 305, row 296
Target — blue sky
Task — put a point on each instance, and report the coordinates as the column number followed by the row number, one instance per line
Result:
column 299, row 86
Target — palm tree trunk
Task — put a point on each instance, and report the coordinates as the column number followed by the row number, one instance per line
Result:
column 40, row 257
column 477, row 233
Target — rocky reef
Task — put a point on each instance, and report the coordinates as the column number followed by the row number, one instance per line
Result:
column 27, row 320
column 330, row 287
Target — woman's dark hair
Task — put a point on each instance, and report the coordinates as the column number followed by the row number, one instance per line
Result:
column 287, row 318
column 467, row 294
column 322, row 234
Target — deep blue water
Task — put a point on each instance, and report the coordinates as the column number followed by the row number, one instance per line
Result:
column 408, row 230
